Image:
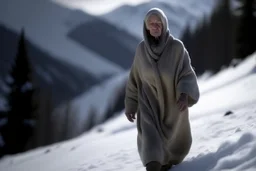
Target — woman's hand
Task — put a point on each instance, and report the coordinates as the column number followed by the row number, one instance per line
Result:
column 130, row 116
column 183, row 102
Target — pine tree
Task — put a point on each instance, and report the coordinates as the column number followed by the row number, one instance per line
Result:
column 246, row 26
column 19, row 127
column 210, row 44
column 221, row 35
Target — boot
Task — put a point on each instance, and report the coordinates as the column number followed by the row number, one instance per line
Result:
column 153, row 166
column 166, row 167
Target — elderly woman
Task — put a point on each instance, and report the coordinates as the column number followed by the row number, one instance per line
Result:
column 160, row 88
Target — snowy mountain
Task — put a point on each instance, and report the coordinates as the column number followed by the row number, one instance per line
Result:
column 113, row 44
column 222, row 123
column 100, row 48
column 46, row 24
column 179, row 14
column 53, row 31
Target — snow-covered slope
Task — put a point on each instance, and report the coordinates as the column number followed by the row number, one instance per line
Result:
column 236, row 83
column 179, row 12
column 47, row 25
column 219, row 142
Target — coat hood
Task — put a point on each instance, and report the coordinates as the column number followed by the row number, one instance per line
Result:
column 155, row 49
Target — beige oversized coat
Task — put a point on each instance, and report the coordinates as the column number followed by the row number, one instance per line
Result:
column 157, row 78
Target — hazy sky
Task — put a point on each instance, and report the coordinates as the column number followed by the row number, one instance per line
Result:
column 97, row 7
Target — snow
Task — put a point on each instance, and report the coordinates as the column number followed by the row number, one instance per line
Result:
column 205, row 76
column 229, row 75
column 220, row 143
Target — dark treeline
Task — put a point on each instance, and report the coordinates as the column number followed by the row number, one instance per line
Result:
column 226, row 35
column 28, row 122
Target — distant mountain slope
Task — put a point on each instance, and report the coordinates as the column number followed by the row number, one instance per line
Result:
column 179, row 14
column 65, row 80
column 47, row 25
column 114, row 44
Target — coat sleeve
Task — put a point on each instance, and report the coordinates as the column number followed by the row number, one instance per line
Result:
column 186, row 78
column 131, row 90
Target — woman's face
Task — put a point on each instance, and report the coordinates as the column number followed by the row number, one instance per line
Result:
column 154, row 25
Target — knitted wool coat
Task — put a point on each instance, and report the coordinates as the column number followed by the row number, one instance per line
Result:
column 158, row 75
